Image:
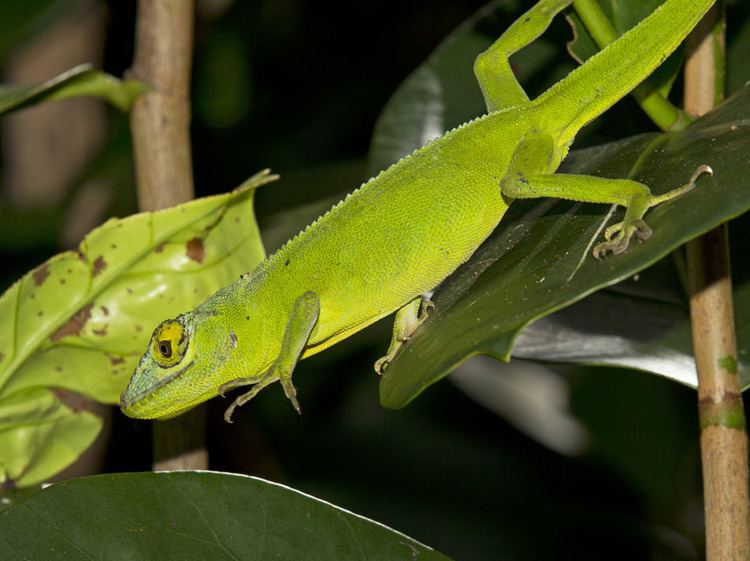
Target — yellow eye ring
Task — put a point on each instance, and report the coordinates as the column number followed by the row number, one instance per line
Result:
column 168, row 343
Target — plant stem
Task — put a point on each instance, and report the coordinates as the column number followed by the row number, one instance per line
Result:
column 160, row 123
column 160, row 119
column 724, row 445
column 664, row 115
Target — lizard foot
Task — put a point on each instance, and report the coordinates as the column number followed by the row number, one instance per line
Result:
column 384, row 361
column 408, row 319
column 258, row 384
column 618, row 237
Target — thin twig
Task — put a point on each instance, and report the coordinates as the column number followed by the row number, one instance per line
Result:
column 724, row 445
column 160, row 123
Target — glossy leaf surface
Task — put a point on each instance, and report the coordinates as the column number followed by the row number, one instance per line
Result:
column 193, row 515
column 539, row 259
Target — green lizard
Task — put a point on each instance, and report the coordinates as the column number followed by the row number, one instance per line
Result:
column 392, row 241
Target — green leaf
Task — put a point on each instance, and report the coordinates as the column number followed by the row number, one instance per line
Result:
column 539, row 258
column 652, row 327
column 79, row 81
column 81, row 320
column 198, row 515
column 40, row 434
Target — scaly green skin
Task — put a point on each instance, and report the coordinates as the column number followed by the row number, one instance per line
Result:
column 403, row 232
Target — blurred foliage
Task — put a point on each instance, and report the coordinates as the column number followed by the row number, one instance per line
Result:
column 79, row 81
column 22, row 19
column 308, row 82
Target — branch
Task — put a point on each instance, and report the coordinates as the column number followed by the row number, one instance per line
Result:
column 160, row 119
column 160, row 123
column 724, row 445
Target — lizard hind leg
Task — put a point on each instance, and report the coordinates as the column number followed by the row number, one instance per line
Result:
column 302, row 320
column 408, row 319
column 492, row 67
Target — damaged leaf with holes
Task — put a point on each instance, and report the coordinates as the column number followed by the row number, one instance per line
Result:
column 80, row 321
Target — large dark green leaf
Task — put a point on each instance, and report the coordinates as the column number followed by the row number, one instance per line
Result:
column 189, row 516
column 539, row 259
column 81, row 320
column 79, row 81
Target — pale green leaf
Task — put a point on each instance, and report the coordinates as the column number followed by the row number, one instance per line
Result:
column 81, row 320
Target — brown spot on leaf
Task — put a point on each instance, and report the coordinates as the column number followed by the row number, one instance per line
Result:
column 129, row 290
column 62, row 281
column 105, row 310
column 73, row 400
column 74, row 324
column 99, row 265
column 39, row 314
column 58, row 368
column 100, row 332
column 138, row 328
column 115, row 360
column 40, row 274
column 159, row 248
column 195, row 250
column 82, row 257
column 113, row 246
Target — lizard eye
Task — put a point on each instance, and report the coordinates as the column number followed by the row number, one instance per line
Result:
column 165, row 349
column 169, row 343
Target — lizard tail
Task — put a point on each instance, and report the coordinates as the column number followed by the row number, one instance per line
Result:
column 594, row 87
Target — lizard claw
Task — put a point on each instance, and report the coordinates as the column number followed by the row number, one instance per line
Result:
column 381, row 364
column 622, row 232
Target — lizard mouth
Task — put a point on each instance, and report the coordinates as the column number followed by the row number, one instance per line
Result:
column 127, row 402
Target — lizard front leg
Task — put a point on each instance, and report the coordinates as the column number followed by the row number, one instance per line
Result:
column 305, row 312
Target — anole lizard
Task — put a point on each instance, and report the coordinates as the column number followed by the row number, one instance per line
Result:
column 392, row 241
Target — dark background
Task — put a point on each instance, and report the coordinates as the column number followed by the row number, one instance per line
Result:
column 297, row 86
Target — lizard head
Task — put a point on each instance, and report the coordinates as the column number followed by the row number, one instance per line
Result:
column 171, row 376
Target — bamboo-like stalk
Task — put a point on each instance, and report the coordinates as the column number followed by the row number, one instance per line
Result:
column 160, row 124
column 724, row 445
